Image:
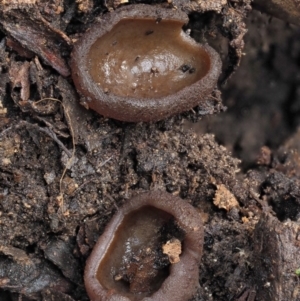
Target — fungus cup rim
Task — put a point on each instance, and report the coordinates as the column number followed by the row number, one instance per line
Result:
column 186, row 217
column 139, row 109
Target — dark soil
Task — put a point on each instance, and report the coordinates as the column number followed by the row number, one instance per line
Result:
column 64, row 170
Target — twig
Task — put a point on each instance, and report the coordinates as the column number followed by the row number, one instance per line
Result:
column 52, row 135
column 73, row 149
column 47, row 131
column 6, row 130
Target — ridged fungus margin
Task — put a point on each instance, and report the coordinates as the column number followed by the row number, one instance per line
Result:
column 126, row 262
column 137, row 64
column 287, row 10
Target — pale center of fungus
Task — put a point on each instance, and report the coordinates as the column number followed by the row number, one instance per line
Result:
column 134, row 266
column 146, row 58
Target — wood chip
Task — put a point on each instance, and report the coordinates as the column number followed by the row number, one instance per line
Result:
column 224, row 199
column 173, row 249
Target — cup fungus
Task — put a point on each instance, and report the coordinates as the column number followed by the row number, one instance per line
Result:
column 127, row 262
column 137, row 64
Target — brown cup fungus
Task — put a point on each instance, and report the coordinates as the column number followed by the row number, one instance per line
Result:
column 127, row 262
column 137, row 64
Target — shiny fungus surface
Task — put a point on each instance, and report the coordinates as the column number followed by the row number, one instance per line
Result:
column 127, row 263
column 137, row 64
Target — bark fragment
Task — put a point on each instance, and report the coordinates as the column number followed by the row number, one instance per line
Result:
column 28, row 276
column 276, row 258
column 26, row 25
column 19, row 76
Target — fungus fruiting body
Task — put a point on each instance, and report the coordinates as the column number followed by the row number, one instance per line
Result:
column 137, row 64
column 124, row 264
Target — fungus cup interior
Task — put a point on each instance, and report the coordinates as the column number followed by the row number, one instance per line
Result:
column 139, row 231
column 137, row 64
column 131, row 259
column 146, row 58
